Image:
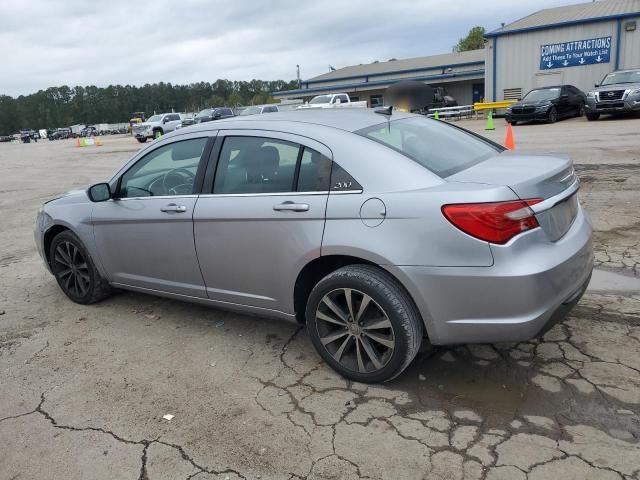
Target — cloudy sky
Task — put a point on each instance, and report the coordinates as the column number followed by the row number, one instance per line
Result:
column 51, row 43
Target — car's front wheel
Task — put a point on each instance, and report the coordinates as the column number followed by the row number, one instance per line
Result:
column 363, row 323
column 580, row 110
column 142, row 140
column 593, row 116
column 552, row 116
column 74, row 270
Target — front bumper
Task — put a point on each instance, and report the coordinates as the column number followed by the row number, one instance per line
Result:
column 626, row 105
column 143, row 133
column 525, row 117
column 533, row 282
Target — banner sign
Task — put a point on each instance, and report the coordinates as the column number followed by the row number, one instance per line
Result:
column 575, row 53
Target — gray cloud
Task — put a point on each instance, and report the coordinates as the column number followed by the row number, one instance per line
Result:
column 47, row 43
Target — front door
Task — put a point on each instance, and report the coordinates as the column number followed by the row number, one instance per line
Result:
column 477, row 91
column 264, row 218
column 145, row 235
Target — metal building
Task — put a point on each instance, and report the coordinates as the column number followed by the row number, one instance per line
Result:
column 462, row 74
column 575, row 44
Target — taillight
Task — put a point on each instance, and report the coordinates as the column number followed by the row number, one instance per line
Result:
column 495, row 222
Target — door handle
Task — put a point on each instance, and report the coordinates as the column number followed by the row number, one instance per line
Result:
column 291, row 207
column 172, row 207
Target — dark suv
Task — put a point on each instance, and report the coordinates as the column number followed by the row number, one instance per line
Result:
column 548, row 104
column 619, row 92
column 209, row 114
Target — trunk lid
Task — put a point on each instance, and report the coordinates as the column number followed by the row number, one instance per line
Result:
column 549, row 177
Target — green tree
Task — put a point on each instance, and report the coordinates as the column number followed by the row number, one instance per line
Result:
column 473, row 41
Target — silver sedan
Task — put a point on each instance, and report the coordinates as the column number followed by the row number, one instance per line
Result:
column 378, row 230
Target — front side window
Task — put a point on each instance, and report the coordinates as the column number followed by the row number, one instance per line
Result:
column 155, row 118
column 256, row 165
column 168, row 170
column 376, row 101
column 342, row 98
column 437, row 146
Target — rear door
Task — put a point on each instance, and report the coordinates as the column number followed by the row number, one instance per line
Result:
column 263, row 217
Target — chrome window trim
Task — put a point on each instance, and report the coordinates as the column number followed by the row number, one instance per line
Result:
column 154, row 197
column 275, row 194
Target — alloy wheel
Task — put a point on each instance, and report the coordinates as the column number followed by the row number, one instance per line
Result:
column 355, row 330
column 72, row 269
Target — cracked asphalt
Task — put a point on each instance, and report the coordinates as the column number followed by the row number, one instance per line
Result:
column 83, row 389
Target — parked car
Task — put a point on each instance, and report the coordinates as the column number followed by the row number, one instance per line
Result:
column 334, row 100
column 186, row 120
column 89, row 132
column 298, row 217
column 5, row 138
column 156, row 126
column 211, row 114
column 26, row 135
column 619, row 92
column 548, row 104
column 259, row 109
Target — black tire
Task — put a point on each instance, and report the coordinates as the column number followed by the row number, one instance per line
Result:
column 580, row 111
column 386, row 297
column 593, row 116
column 142, row 140
column 552, row 115
column 75, row 271
column 513, row 123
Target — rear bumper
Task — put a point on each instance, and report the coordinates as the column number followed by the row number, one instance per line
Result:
column 532, row 284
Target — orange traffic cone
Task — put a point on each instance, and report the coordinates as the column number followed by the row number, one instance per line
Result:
column 77, row 141
column 508, row 141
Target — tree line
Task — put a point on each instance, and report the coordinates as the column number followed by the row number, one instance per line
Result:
column 64, row 106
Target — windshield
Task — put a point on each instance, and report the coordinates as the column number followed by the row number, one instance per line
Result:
column 204, row 113
column 250, row 111
column 622, row 77
column 435, row 145
column 321, row 99
column 542, row 94
column 155, row 118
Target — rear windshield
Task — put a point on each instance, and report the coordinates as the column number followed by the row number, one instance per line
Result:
column 435, row 145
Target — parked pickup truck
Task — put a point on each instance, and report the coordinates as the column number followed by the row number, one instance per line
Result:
column 156, row 126
column 334, row 100
column 619, row 92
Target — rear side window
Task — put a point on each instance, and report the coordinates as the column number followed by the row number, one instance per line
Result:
column 435, row 145
column 315, row 172
column 256, row 165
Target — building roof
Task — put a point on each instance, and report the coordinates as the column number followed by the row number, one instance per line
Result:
column 418, row 63
column 572, row 14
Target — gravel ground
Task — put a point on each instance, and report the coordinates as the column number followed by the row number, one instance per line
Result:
column 83, row 389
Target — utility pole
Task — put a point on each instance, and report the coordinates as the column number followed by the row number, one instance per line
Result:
column 298, row 76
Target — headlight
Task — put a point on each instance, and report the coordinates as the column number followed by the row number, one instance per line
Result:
column 542, row 107
column 43, row 220
column 634, row 92
column 508, row 110
column 591, row 94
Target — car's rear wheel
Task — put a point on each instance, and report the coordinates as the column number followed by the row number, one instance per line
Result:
column 593, row 116
column 552, row 116
column 363, row 324
column 75, row 271
column 142, row 140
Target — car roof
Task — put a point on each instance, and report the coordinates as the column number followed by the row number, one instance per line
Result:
column 349, row 119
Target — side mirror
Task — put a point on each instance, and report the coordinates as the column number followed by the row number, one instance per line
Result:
column 595, row 85
column 165, row 120
column 100, row 192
